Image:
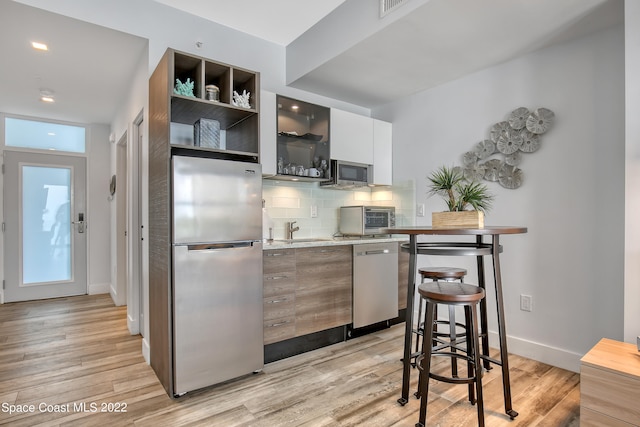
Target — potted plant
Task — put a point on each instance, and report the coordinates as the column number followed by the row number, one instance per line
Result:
column 459, row 194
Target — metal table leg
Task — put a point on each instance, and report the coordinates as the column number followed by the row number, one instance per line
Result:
column 504, row 355
column 484, row 323
column 408, row 333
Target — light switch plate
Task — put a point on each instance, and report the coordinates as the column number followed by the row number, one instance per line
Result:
column 420, row 209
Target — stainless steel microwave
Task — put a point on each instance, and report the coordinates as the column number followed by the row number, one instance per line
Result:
column 349, row 175
column 366, row 220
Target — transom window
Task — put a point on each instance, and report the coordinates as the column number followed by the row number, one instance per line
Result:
column 44, row 135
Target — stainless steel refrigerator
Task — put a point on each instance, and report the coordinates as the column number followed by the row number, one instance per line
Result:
column 217, row 283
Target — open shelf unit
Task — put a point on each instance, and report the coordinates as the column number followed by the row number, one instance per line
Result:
column 238, row 125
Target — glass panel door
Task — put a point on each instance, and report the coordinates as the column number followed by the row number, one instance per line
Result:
column 45, row 226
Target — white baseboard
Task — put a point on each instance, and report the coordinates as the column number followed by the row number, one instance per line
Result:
column 540, row 352
column 133, row 325
column 98, row 288
column 553, row 356
column 114, row 296
column 146, row 351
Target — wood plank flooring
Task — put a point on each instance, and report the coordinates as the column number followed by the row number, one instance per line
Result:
column 74, row 351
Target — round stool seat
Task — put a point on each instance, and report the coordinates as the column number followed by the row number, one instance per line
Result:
column 442, row 273
column 451, row 292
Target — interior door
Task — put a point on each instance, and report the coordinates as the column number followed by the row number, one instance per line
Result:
column 45, row 226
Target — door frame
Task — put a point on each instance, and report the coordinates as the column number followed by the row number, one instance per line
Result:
column 119, row 294
column 86, row 155
column 135, row 277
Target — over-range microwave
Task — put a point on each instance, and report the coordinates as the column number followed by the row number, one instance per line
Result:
column 349, row 175
column 366, row 220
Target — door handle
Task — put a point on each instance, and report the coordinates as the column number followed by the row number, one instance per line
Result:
column 80, row 223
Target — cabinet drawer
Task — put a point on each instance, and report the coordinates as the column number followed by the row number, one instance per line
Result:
column 279, row 329
column 610, row 393
column 589, row 418
column 278, row 260
column 323, row 255
column 279, row 306
column 278, row 283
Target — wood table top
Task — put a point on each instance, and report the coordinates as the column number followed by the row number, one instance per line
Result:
column 461, row 231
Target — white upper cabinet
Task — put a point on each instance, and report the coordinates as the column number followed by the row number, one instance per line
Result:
column 382, row 153
column 351, row 137
column 268, row 132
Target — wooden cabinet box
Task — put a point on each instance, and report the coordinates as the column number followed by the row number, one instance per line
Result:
column 309, row 290
column 610, row 385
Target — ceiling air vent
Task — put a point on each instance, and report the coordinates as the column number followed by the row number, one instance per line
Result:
column 388, row 6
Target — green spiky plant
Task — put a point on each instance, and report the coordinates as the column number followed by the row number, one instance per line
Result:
column 458, row 193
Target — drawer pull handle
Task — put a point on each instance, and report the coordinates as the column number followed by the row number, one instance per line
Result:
column 277, row 277
column 273, row 325
column 275, row 254
column 275, row 301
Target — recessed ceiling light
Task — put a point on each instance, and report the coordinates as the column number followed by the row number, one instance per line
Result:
column 51, row 133
column 39, row 46
column 46, row 96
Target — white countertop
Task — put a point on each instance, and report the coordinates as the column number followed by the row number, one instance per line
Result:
column 335, row 241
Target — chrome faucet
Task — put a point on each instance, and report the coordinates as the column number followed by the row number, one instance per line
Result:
column 290, row 229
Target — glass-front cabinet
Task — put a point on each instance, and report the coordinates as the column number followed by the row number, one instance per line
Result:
column 302, row 152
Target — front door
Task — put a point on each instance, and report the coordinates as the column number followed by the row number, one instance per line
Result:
column 45, row 226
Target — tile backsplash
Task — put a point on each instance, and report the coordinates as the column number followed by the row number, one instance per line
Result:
column 294, row 201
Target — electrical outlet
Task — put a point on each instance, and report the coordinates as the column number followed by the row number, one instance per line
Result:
column 526, row 303
column 314, row 211
column 420, row 209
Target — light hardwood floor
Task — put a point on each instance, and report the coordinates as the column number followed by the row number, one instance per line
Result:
column 77, row 350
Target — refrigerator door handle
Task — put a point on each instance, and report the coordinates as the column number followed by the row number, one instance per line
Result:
column 217, row 246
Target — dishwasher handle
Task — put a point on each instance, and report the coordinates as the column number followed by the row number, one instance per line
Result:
column 376, row 252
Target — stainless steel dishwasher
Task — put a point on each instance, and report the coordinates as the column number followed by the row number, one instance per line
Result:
column 375, row 283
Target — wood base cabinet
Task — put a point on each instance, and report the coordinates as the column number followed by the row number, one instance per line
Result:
column 610, row 385
column 306, row 290
column 309, row 290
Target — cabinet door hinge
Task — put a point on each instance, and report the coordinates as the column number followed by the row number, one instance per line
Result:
column 3, row 227
column 3, row 169
column 2, row 283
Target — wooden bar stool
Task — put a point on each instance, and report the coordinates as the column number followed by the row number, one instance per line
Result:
column 436, row 274
column 451, row 294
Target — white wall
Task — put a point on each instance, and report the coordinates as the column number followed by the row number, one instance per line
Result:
column 632, row 168
column 572, row 199
column 98, row 217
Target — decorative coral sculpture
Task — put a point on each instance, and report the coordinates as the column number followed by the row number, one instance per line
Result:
column 241, row 100
column 185, row 89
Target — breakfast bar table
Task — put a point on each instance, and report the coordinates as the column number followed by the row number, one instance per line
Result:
column 477, row 248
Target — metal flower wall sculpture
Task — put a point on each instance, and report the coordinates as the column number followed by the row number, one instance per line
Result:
column 508, row 140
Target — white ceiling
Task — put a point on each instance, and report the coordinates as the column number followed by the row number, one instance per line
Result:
column 443, row 40
column 88, row 74
column 278, row 21
column 439, row 41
